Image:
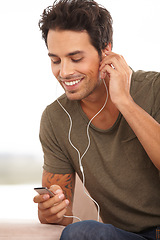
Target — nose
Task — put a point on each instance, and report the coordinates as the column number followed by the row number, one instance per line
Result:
column 66, row 69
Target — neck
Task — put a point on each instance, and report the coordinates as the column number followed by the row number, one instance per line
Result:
column 100, row 103
column 97, row 99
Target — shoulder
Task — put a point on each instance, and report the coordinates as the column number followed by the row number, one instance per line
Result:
column 145, row 90
column 143, row 76
column 56, row 109
column 55, row 113
column 146, row 80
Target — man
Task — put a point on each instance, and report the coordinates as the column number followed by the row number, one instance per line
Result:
column 105, row 126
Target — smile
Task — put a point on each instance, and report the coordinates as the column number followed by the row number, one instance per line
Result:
column 72, row 83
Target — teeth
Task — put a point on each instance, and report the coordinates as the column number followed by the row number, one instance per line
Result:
column 72, row 83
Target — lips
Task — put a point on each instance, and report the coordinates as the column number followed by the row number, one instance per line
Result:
column 72, row 83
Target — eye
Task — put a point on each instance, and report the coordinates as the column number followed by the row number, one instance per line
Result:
column 55, row 61
column 77, row 60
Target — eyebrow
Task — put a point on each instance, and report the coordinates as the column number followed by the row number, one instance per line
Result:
column 69, row 54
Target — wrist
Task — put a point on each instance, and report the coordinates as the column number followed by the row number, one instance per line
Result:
column 125, row 104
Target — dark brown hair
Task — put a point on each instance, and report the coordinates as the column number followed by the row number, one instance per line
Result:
column 79, row 15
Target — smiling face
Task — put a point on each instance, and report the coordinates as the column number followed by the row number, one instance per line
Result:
column 74, row 62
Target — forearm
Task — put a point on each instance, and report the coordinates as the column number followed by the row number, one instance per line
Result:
column 145, row 127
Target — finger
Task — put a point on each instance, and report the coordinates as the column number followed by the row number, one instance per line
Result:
column 106, row 70
column 112, row 55
column 107, row 53
column 56, row 208
column 41, row 198
column 114, row 61
column 56, row 189
column 57, row 217
column 51, row 201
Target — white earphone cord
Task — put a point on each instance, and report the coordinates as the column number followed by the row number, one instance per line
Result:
column 81, row 157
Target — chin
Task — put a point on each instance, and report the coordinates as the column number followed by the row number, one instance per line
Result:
column 74, row 96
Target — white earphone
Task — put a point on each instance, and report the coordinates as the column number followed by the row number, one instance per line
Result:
column 81, row 157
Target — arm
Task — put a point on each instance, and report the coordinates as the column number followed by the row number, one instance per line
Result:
column 145, row 127
column 52, row 210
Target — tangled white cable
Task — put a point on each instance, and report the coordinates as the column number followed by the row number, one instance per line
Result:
column 89, row 142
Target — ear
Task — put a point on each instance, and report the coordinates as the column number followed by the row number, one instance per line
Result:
column 108, row 48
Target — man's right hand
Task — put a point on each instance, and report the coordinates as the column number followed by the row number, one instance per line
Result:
column 52, row 210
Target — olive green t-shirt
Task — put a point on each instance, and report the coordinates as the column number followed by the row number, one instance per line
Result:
column 118, row 173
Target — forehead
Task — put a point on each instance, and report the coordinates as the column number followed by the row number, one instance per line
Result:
column 65, row 41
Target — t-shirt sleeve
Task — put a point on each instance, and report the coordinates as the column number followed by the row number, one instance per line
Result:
column 55, row 160
column 156, row 108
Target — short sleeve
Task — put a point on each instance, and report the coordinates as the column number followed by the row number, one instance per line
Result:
column 156, row 108
column 55, row 160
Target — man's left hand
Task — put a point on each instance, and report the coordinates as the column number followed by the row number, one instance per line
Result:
column 115, row 67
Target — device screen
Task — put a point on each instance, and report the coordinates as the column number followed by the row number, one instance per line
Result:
column 44, row 190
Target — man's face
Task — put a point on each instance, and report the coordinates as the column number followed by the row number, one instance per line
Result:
column 74, row 62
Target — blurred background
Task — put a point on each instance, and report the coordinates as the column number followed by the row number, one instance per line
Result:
column 27, row 86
